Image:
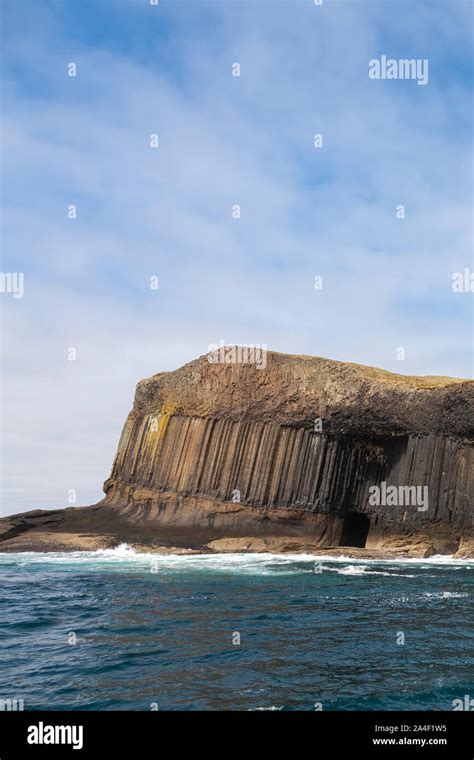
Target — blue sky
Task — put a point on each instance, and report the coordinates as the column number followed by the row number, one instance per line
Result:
column 224, row 140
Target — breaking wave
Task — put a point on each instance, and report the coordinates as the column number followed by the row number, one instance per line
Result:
column 125, row 558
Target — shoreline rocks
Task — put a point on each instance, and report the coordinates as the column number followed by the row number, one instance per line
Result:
column 220, row 454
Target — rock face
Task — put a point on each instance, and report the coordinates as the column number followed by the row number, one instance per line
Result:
column 290, row 451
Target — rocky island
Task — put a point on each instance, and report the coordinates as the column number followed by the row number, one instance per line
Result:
column 299, row 454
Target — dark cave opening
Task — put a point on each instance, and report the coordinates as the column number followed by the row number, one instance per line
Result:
column 355, row 529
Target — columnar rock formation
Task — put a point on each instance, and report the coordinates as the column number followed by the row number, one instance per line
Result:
column 305, row 435
column 293, row 450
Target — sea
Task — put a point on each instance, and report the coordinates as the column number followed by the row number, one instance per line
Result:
column 121, row 630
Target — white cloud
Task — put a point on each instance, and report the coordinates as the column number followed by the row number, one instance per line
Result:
column 167, row 213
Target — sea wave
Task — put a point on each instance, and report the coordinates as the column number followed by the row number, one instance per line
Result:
column 124, row 557
column 444, row 594
column 364, row 570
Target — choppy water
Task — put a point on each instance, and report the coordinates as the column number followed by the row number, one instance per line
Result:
column 160, row 629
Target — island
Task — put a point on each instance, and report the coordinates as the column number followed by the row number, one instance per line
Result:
column 299, row 454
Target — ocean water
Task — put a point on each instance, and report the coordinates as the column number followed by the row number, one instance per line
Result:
column 116, row 630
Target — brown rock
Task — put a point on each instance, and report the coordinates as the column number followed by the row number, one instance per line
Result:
column 213, row 452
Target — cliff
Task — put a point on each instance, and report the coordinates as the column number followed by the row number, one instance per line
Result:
column 303, row 451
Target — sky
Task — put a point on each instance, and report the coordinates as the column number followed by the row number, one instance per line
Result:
column 141, row 212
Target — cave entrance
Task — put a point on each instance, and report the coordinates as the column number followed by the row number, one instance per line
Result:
column 355, row 529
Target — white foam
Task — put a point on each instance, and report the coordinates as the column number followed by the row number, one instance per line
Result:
column 444, row 594
column 436, row 559
column 265, row 563
column 350, row 570
column 363, row 570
